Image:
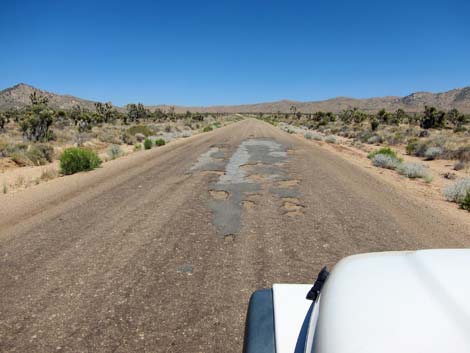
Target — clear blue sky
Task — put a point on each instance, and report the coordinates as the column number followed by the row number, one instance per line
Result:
column 229, row 52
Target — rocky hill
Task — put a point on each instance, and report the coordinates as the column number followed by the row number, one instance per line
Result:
column 18, row 96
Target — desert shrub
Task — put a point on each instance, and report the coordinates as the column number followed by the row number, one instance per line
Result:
column 462, row 154
column 290, row 130
column 114, row 151
column 139, row 129
column 148, row 144
column 374, row 124
column 412, row 146
column 313, row 136
column 46, row 150
column 330, row 139
column 207, row 128
column 459, row 129
column 137, row 147
column 432, row 153
column 414, row 171
column 457, row 191
column 385, row 161
column 110, row 136
column 40, row 154
column 459, row 166
column 364, row 136
column 20, row 159
column 387, row 151
column 35, row 156
column 75, row 159
column 159, row 142
column 317, row 137
column 374, row 140
column 7, row 149
column 465, row 202
column 216, row 125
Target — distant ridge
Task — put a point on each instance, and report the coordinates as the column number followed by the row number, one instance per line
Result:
column 18, row 97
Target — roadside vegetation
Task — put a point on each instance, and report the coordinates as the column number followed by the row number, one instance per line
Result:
column 431, row 135
column 76, row 159
column 39, row 135
column 459, row 192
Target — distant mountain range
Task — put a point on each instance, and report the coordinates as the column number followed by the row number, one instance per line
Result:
column 18, row 97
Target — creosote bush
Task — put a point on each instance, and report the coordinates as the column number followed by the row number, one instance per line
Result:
column 148, row 144
column 75, row 159
column 159, row 142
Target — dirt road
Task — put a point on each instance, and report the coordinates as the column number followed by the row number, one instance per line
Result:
column 159, row 252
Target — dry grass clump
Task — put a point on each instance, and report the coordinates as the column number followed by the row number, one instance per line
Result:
column 28, row 155
column 49, row 174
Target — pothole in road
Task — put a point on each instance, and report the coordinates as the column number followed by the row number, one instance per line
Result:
column 294, row 213
column 229, row 238
column 287, row 183
column 212, row 173
column 292, row 206
column 259, row 178
column 249, row 204
column 219, row 194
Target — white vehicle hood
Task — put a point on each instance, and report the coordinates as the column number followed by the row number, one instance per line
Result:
column 290, row 309
column 403, row 302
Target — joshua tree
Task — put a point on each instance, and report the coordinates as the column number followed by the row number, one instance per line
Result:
column 293, row 109
column 105, row 111
column 4, row 119
column 38, row 118
column 432, row 118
